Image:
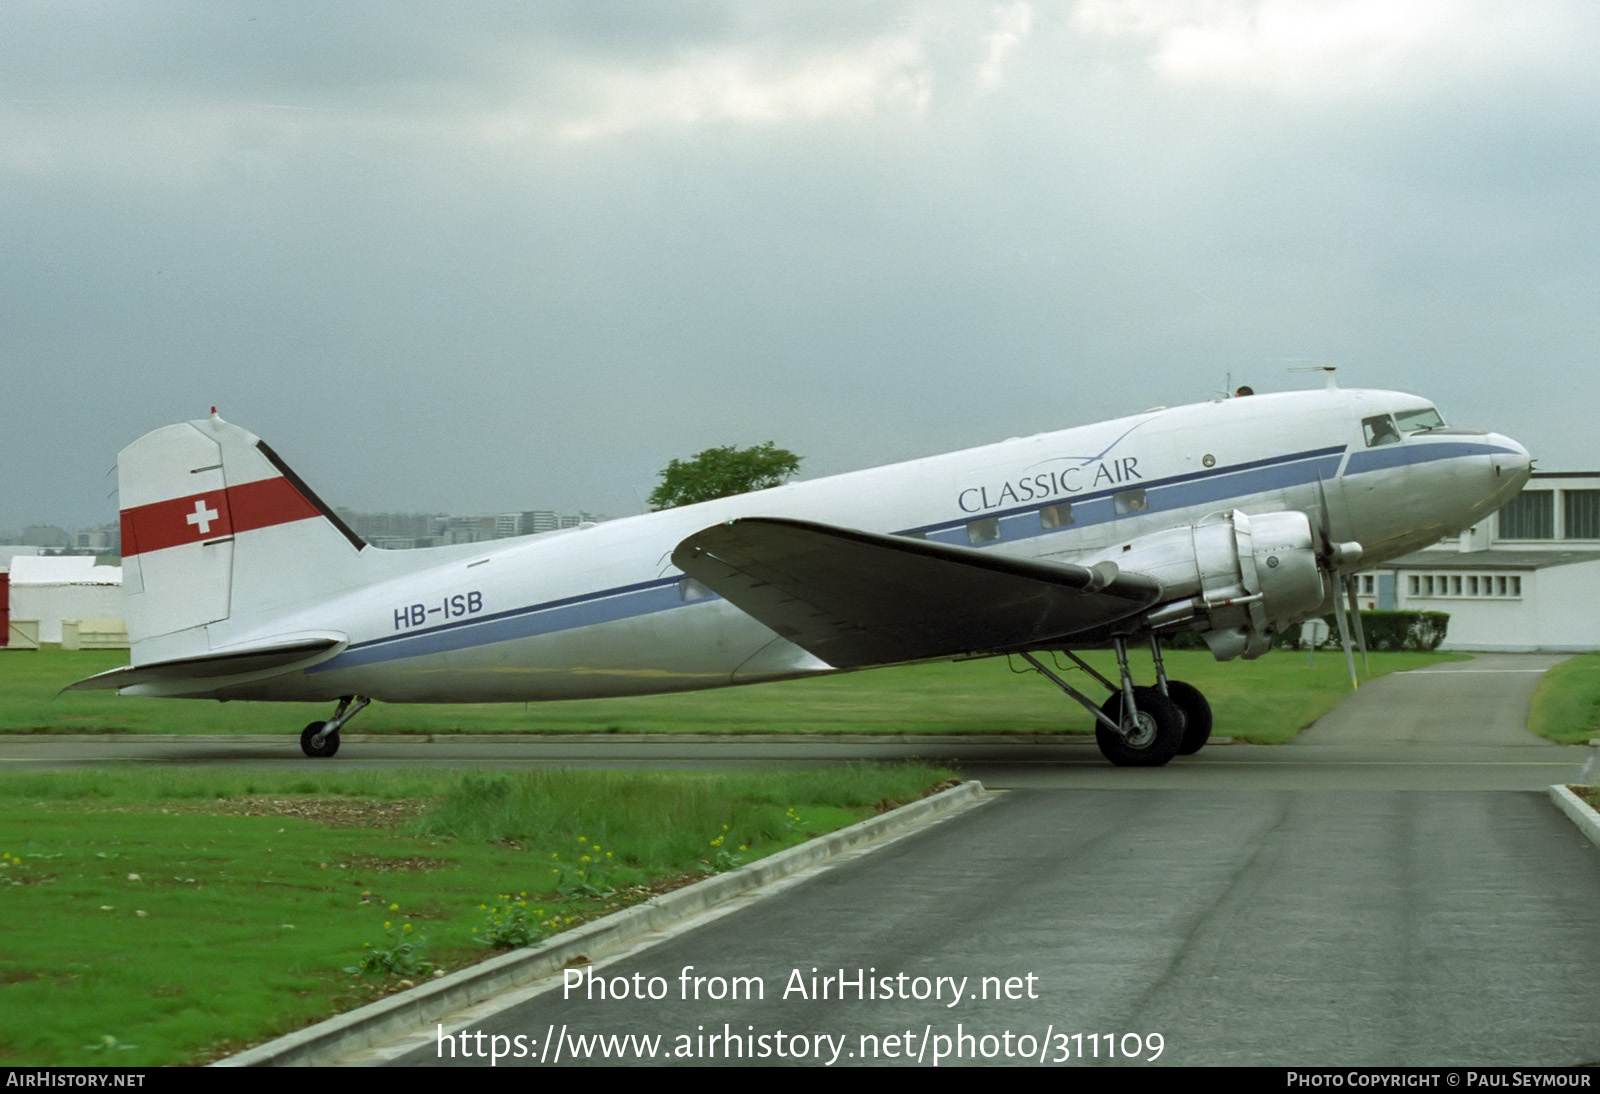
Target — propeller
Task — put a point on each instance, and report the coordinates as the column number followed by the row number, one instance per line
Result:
column 1331, row 557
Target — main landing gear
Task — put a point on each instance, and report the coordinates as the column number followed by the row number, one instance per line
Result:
column 320, row 740
column 1140, row 726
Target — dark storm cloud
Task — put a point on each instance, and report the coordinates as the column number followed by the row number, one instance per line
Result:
column 517, row 257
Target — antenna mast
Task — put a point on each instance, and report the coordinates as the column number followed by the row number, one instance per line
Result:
column 1331, row 384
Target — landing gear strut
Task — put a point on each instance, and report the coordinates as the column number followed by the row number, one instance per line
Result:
column 1192, row 705
column 320, row 740
column 1140, row 726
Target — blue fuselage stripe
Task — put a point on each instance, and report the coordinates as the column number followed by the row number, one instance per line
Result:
column 1387, row 456
column 568, row 613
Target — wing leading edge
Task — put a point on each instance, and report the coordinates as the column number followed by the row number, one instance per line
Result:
column 857, row 598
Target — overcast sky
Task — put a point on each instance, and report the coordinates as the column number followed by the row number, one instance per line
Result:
column 483, row 257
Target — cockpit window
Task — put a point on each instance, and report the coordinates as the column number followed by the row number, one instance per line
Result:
column 1419, row 421
column 1380, row 429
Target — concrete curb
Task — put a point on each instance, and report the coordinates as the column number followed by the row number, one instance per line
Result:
column 377, row 1022
column 1578, row 810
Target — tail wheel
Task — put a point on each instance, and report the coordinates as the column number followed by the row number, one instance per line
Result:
column 328, row 745
column 1149, row 738
column 1196, row 715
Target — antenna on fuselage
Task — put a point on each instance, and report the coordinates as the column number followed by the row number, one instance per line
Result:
column 1331, row 384
column 1231, row 392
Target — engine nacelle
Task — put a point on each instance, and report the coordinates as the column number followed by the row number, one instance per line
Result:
column 1234, row 578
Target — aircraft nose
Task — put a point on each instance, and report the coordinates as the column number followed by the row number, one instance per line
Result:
column 1513, row 462
column 1508, row 467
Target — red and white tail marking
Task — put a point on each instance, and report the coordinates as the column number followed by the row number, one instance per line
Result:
column 213, row 515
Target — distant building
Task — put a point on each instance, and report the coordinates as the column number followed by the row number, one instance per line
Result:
column 48, row 590
column 406, row 531
column 104, row 540
column 46, row 535
column 12, row 550
column 1528, row 578
column 468, row 530
column 377, row 528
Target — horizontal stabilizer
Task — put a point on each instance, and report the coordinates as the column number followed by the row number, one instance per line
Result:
column 857, row 598
column 262, row 659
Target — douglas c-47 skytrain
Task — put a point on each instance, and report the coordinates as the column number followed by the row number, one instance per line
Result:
column 1230, row 519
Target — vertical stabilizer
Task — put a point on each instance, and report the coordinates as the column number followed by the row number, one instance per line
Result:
column 217, row 532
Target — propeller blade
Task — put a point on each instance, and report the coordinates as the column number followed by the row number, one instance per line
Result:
column 1330, row 557
column 1355, row 619
column 1324, row 524
column 1339, row 608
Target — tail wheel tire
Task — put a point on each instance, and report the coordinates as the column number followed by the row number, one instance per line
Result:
column 1149, row 738
column 324, row 748
column 1196, row 715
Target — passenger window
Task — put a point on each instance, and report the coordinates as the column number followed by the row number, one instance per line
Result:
column 1380, row 430
column 983, row 530
column 1058, row 515
column 1130, row 501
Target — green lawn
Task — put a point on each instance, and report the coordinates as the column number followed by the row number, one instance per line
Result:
column 1566, row 707
column 148, row 918
column 1269, row 700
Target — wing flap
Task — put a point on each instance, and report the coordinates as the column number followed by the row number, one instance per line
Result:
column 857, row 598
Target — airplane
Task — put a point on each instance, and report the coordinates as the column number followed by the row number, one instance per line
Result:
column 1232, row 519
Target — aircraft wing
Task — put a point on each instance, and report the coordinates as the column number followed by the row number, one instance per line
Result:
column 857, row 598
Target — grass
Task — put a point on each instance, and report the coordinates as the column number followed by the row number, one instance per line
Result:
column 1268, row 701
column 1566, row 705
column 169, row 916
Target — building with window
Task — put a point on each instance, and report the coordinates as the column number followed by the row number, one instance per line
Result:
column 1528, row 578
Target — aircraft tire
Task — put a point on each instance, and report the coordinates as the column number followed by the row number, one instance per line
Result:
column 1196, row 715
column 326, row 747
column 1153, row 742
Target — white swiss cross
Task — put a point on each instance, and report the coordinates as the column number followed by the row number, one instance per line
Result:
column 202, row 517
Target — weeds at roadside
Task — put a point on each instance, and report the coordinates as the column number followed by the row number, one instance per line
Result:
column 512, row 925
column 588, row 875
column 403, row 955
column 722, row 859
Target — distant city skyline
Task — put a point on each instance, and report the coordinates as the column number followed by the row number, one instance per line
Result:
column 376, row 528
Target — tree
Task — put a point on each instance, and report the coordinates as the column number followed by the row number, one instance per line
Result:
column 723, row 472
